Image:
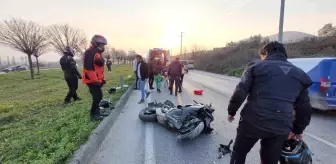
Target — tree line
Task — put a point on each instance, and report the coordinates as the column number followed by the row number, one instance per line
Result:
column 233, row 58
column 35, row 40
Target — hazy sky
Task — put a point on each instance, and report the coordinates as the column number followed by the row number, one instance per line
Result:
column 144, row 24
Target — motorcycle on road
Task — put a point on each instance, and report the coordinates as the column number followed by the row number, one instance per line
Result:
column 188, row 121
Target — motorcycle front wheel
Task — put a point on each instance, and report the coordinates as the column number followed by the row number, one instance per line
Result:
column 148, row 115
column 192, row 132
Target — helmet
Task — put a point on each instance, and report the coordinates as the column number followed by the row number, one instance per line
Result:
column 69, row 51
column 99, row 42
column 295, row 152
column 195, row 129
column 104, row 104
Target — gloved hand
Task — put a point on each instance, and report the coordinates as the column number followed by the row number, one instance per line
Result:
column 79, row 77
column 103, row 82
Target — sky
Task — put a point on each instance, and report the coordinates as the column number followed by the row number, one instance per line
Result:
column 144, row 24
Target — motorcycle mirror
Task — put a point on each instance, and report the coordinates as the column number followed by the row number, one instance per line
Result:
column 210, row 104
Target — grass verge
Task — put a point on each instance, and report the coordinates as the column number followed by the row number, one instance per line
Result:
column 34, row 125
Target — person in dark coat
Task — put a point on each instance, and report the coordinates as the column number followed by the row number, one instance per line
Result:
column 109, row 65
column 142, row 73
column 151, row 74
column 274, row 88
column 71, row 74
column 174, row 73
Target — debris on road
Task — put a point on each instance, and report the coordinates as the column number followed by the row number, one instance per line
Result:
column 224, row 149
column 198, row 92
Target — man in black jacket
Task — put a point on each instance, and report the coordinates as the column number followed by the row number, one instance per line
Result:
column 274, row 88
column 109, row 65
column 71, row 74
column 150, row 74
column 142, row 73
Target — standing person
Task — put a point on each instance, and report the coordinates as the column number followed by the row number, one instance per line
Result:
column 151, row 74
column 109, row 65
column 134, row 64
column 273, row 86
column 142, row 73
column 71, row 74
column 158, row 69
column 93, row 73
column 174, row 73
column 182, row 74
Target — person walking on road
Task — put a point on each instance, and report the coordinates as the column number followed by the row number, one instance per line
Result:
column 93, row 73
column 71, row 74
column 134, row 64
column 157, row 69
column 109, row 65
column 274, row 88
column 151, row 74
column 182, row 73
column 174, row 73
column 142, row 73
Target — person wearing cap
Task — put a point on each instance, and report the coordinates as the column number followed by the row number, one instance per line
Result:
column 274, row 88
column 93, row 73
column 71, row 74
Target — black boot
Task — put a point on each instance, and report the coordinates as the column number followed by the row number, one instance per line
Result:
column 96, row 117
column 66, row 102
column 77, row 98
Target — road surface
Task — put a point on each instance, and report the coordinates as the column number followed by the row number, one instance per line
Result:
column 134, row 142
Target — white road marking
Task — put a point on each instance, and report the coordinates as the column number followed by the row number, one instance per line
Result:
column 149, row 137
column 320, row 139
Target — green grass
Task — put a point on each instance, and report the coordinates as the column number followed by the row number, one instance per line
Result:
column 34, row 125
column 236, row 72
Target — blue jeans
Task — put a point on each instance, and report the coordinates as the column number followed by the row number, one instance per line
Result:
column 142, row 84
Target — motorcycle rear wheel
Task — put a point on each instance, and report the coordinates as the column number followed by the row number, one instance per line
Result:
column 148, row 115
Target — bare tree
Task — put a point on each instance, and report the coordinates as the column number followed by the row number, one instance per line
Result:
column 120, row 55
column 196, row 51
column 107, row 53
column 327, row 30
column 44, row 48
column 64, row 35
column 23, row 36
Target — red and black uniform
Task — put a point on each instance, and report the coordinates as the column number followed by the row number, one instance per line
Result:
column 93, row 77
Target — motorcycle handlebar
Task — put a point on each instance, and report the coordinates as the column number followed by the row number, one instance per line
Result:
column 202, row 103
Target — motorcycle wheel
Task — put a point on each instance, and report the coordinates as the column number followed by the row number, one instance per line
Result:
column 148, row 115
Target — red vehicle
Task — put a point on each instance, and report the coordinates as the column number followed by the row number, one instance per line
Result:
column 159, row 53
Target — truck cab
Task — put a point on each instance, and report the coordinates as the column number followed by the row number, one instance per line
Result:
column 159, row 53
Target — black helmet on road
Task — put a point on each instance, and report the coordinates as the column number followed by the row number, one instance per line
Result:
column 295, row 152
column 69, row 51
column 99, row 42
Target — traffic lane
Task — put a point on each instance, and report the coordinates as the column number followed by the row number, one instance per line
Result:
column 203, row 149
column 322, row 124
column 125, row 141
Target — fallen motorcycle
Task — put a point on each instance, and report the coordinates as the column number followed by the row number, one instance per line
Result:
column 189, row 121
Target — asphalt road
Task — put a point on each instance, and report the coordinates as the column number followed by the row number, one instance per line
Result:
column 134, row 142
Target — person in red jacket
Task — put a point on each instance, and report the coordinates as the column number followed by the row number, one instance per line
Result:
column 93, row 73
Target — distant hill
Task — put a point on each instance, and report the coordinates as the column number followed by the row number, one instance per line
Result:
column 291, row 36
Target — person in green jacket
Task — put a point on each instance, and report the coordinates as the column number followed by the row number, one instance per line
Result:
column 157, row 70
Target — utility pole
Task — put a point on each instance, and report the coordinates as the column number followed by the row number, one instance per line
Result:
column 181, row 44
column 281, row 21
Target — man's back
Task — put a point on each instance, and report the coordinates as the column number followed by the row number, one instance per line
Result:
column 276, row 86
